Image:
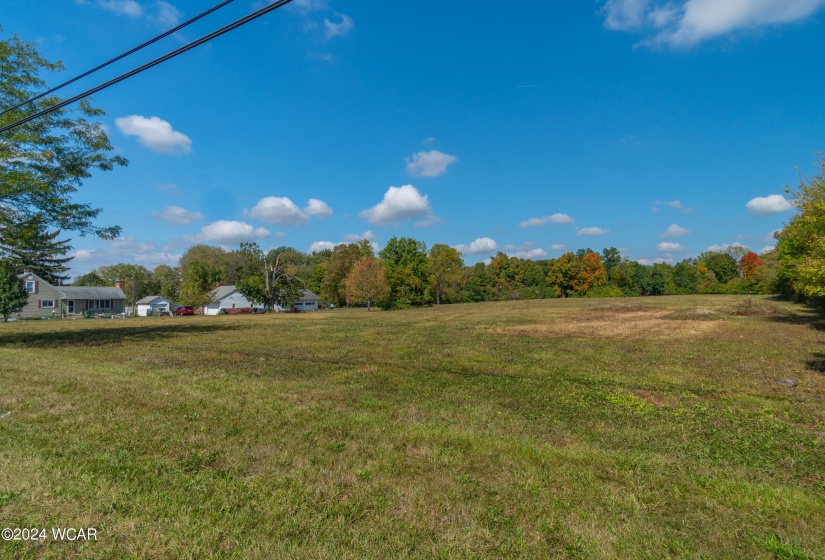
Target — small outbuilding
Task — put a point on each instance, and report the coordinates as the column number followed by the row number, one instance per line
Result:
column 153, row 306
column 308, row 301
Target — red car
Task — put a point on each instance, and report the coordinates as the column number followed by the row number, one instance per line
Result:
column 185, row 310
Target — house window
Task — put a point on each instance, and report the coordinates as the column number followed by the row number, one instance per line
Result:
column 100, row 304
column 46, row 303
column 30, row 286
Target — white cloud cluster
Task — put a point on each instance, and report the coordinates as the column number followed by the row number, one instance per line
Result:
column 555, row 219
column 429, row 164
column 280, row 210
column 666, row 247
column 123, row 249
column 319, row 246
column 231, row 233
column 686, row 23
column 592, row 231
column 527, row 251
column 356, row 237
column 675, row 231
column 155, row 133
column 558, row 246
column 399, row 204
column 724, row 247
column 177, row 216
column 340, row 28
column 771, row 204
column 163, row 13
column 480, row 245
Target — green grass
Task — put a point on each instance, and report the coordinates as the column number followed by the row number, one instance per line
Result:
column 632, row 428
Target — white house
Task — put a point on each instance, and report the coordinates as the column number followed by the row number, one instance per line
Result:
column 308, row 301
column 229, row 300
column 153, row 305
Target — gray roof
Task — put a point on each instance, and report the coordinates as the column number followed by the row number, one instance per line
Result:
column 222, row 292
column 309, row 295
column 149, row 299
column 76, row 292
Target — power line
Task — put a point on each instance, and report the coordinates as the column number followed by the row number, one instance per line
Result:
column 124, row 55
column 217, row 33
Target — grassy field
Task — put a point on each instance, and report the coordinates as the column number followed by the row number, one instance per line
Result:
column 631, row 428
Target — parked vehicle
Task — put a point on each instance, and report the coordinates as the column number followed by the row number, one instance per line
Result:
column 185, row 310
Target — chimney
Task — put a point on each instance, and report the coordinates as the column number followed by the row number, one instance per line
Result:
column 121, row 284
column 26, row 270
column 219, row 284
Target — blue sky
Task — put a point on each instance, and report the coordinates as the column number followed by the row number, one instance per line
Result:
column 662, row 128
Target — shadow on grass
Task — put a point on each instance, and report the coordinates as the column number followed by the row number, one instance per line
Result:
column 811, row 315
column 817, row 362
column 106, row 336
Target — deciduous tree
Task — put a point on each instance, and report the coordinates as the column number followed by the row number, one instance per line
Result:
column 367, row 282
column 44, row 162
column 446, row 270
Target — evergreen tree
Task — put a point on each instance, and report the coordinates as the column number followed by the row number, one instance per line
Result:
column 32, row 246
column 13, row 294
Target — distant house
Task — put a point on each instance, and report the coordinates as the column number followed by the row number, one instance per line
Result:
column 46, row 300
column 308, row 301
column 229, row 300
column 153, row 305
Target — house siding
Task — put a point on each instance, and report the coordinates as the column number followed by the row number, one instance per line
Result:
column 44, row 291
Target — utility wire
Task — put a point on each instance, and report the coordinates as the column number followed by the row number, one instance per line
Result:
column 217, row 33
column 124, row 55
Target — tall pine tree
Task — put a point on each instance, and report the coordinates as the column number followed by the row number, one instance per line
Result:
column 32, row 246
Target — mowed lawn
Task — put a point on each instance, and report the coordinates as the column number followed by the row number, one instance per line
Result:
column 622, row 428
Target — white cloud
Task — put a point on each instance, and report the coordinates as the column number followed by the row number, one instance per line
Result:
column 83, row 254
column 767, row 249
column 177, row 216
column 685, row 23
column 311, row 5
column 355, row 237
column 232, row 233
column 340, row 28
column 122, row 7
column 400, row 203
column 675, row 231
column 558, row 246
column 319, row 246
column 480, row 245
column 592, row 231
column 671, row 248
column 155, row 133
column 526, row 251
column 724, row 247
column 318, row 209
column 280, row 210
column 429, row 164
column 123, row 249
column 167, row 16
column 771, row 204
column 555, row 218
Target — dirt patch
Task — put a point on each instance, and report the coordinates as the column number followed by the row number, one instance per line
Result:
column 697, row 314
column 650, row 324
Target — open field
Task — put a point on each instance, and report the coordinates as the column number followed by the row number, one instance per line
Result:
column 629, row 428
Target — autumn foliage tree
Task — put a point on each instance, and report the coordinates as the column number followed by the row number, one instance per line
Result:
column 367, row 282
column 749, row 264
